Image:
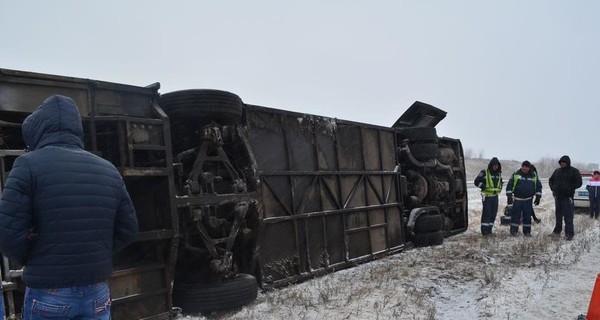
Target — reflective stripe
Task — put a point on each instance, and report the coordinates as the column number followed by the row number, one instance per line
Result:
column 487, row 224
column 515, row 224
column 523, row 199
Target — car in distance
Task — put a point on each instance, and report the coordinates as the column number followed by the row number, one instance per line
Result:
column 580, row 199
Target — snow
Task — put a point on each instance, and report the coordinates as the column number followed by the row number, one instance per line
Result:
column 468, row 277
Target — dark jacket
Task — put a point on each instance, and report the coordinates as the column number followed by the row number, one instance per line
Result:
column 564, row 181
column 495, row 177
column 64, row 211
column 524, row 186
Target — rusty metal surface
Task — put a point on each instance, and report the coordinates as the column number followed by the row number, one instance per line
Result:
column 328, row 191
column 22, row 92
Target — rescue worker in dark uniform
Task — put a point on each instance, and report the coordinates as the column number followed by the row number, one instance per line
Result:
column 520, row 190
column 563, row 183
column 490, row 182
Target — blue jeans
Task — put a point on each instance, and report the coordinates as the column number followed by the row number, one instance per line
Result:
column 1, row 301
column 89, row 302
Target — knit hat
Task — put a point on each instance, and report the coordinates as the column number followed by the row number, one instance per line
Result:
column 526, row 164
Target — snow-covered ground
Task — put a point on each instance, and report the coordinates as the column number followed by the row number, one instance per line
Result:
column 468, row 277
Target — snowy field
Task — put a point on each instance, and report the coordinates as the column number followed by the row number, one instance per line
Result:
column 468, row 277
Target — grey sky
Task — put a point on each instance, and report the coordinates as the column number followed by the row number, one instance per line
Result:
column 519, row 79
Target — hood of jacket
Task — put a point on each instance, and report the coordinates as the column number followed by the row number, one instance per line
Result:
column 565, row 159
column 57, row 121
column 493, row 162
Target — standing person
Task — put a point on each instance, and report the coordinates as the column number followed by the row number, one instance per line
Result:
column 593, row 188
column 64, row 212
column 520, row 189
column 563, row 183
column 490, row 182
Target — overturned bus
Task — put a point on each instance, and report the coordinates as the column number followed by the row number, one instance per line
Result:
column 231, row 197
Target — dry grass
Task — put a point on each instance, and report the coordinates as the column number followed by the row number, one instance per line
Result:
column 410, row 285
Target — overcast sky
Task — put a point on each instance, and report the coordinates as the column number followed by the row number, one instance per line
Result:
column 519, row 79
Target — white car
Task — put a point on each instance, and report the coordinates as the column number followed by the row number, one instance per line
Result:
column 581, row 199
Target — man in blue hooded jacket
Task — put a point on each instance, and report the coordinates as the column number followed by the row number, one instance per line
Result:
column 64, row 212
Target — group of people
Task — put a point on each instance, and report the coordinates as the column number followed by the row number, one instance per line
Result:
column 524, row 190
